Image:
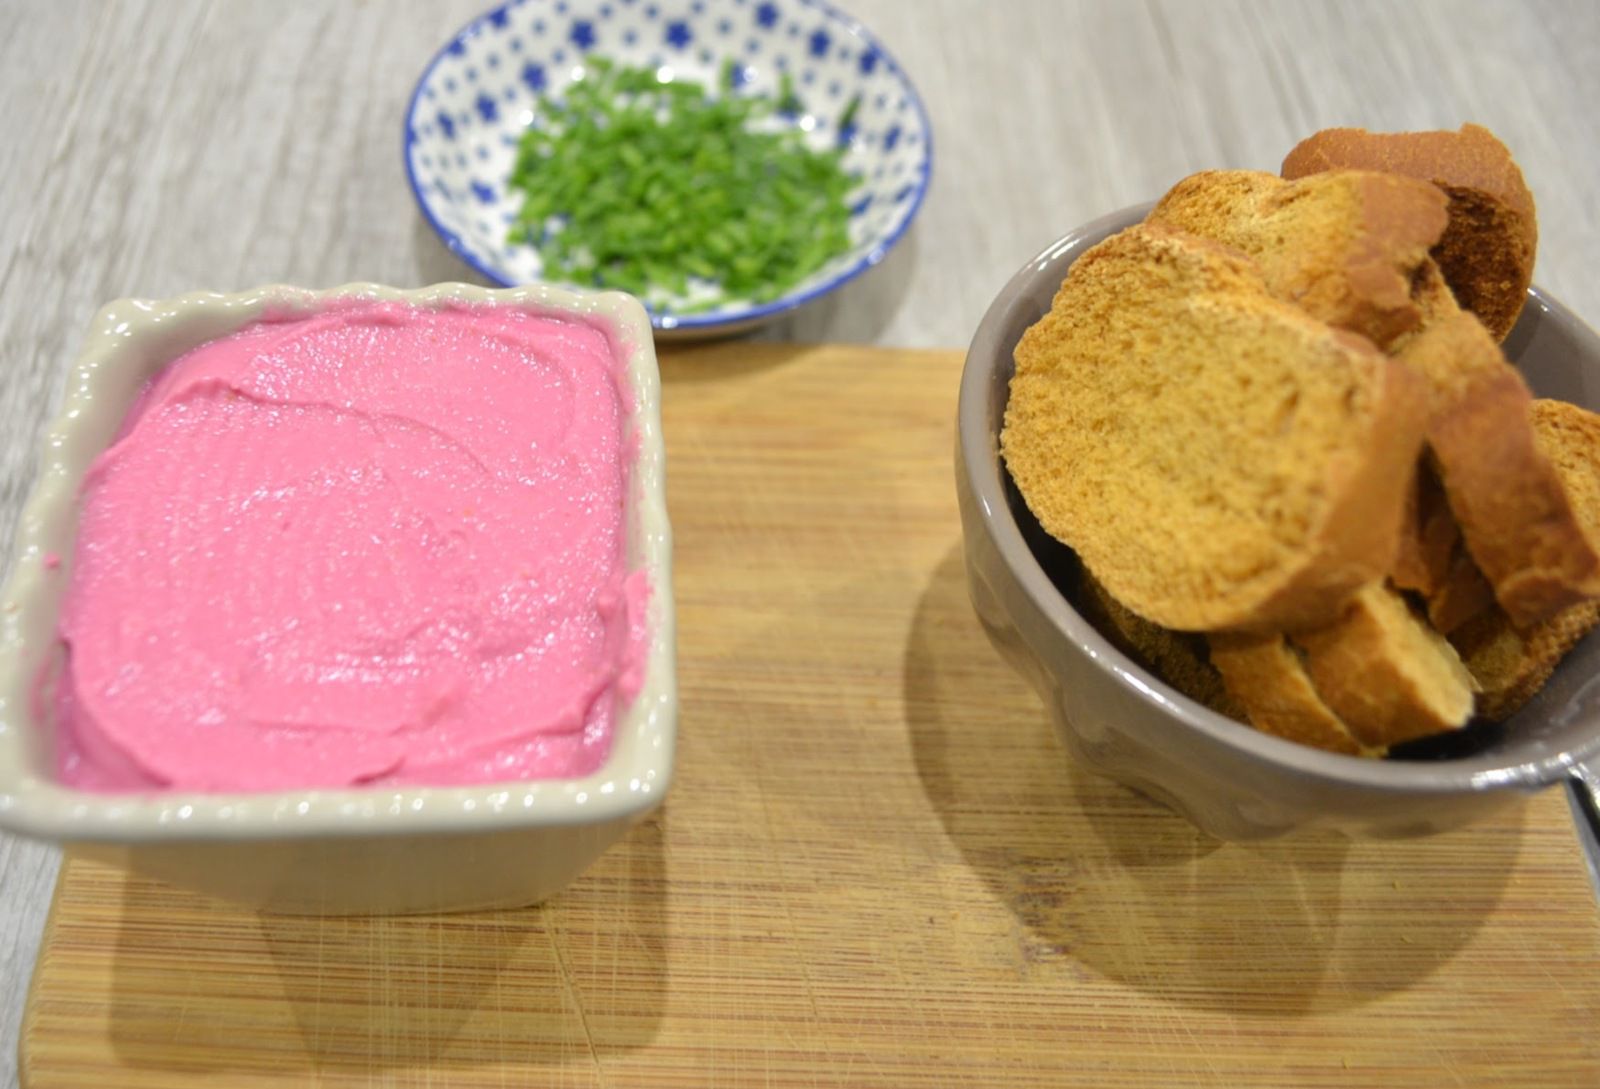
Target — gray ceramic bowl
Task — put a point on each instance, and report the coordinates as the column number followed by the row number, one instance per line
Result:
column 1122, row 721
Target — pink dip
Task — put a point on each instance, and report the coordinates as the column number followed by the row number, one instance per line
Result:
column 379, row 545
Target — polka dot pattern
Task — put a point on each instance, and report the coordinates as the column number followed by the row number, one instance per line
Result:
column 482, row 91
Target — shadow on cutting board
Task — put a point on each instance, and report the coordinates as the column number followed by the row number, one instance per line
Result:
column 211, row 990
column 697, row 362
column 1100, row 877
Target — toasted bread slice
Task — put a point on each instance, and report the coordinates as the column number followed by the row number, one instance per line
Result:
column 1570, row 437
column 1487, row 251
column 1388, row 675
column 1428, row 536
column 1433, row 561
column 1511, row 664
column 1343, row 246
column 1265, row 675
column 1461, row 595
column 1219, row 459
column 1179, row 658
column 1515, row 516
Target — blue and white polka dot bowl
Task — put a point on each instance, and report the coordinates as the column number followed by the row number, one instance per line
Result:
column 479, row 94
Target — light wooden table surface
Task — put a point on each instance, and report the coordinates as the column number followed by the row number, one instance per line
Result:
column 155, row 146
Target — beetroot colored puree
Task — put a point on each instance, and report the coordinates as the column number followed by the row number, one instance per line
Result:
column 381, row 544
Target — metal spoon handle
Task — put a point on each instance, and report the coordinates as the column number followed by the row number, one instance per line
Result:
column 1583, row 794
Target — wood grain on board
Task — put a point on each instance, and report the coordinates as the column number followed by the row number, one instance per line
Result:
column 876, row 866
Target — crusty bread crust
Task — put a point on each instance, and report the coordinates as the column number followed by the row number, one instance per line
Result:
column 1428, row 536
column 1160, row 346
column 1265, row 676
column 1360, row 537
column 1487, row 252
column 1387, row 674
column 1342, row 246
column 1463, row 594
column 1512, row 663
column 1433, row 562
column 1513, row 510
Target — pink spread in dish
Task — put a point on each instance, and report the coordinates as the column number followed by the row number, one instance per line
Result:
column 381, row 544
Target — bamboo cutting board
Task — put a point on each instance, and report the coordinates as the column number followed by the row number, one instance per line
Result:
column 875, row 868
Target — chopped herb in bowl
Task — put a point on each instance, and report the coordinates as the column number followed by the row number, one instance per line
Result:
column 685, row 198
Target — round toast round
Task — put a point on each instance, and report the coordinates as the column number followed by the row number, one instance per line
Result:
column 1219, row 459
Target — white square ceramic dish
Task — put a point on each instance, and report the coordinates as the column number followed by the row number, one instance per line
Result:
column 377, row 849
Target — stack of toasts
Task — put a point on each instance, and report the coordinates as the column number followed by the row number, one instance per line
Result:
column 1275, row 422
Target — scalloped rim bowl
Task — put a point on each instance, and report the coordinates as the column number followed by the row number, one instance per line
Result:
column 128, row 342
column 475, row 98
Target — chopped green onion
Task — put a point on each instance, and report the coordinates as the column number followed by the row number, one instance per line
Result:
column 640, row 185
